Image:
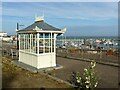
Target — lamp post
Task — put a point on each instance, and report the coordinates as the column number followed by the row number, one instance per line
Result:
column 17, row 35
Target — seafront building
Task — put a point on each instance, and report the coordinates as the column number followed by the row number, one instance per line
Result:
column 37, row 44
column 3, row 34
column 4, row 37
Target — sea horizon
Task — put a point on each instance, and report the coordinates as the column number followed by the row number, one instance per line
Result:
column 83, row 37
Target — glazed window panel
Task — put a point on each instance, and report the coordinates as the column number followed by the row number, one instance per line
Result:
column 33, row 43
column 47, row 35
column 21, row 42
column 25, row 42
column 41, row 42
column 47, row 42
column 29, row 43
column 52, row 45
column 40, row 35
column 41, row 46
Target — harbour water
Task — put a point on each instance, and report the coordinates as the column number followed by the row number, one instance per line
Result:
column 103, row 42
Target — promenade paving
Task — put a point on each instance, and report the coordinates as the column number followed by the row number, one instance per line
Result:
column 107, row 75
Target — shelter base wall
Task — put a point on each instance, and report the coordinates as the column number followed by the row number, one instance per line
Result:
column 46, row 60
column 27, row 58
column 38, row 61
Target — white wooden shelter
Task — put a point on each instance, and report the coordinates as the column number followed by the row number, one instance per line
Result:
column 37, row 44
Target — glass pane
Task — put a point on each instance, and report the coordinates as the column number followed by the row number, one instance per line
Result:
column 31, row 42
column 46, row 42
column 40, row 49
column 40, row 35
column 28, row 42
column 34, row 44
column 41, row 42
column 52, row 45
column 52, row 35
column 25, row 43
column 21, row 42
column 41, row 46
column 47, row 35
column 46, row 49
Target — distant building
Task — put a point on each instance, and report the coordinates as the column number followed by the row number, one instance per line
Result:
column 7, row 38
column 3, row 34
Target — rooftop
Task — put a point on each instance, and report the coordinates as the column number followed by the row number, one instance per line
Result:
column 40, row 24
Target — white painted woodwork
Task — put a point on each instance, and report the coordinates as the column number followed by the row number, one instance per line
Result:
column 38, row 61
column 30, row 53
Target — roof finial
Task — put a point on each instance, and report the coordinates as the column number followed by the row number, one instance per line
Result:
column 39, row 18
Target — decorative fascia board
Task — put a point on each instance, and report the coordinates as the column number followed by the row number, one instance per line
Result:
column 64, row 30
column 37, row 28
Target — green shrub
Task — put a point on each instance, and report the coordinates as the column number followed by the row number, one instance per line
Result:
column 88, row 79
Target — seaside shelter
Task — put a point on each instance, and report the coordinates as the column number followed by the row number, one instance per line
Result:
column 37, row 44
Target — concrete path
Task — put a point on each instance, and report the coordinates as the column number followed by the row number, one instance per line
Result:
column 108, row 75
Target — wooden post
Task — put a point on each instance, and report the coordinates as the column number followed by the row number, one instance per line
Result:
column 43, row 42
column 51, row 42
column 24, row 42
column 19, row 41
column 54, row 43
column 30, row 42
column 37, row 43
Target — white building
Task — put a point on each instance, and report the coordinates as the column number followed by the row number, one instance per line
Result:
column 4, row 37
column 37, row 44
column 7, row 39
column 3, row 34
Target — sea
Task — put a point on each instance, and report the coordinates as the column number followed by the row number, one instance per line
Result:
column 88, row 37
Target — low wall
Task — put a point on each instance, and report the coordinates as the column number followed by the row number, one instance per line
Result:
column 28, row 58
column 38, row 60
column 46, row 60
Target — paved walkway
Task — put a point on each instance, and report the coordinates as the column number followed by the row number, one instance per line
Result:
column 108, row 75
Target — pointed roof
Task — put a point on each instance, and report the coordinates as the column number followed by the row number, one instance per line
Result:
column 41, row 25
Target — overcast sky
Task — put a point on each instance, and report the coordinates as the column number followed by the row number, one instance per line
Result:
column 80, row 18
